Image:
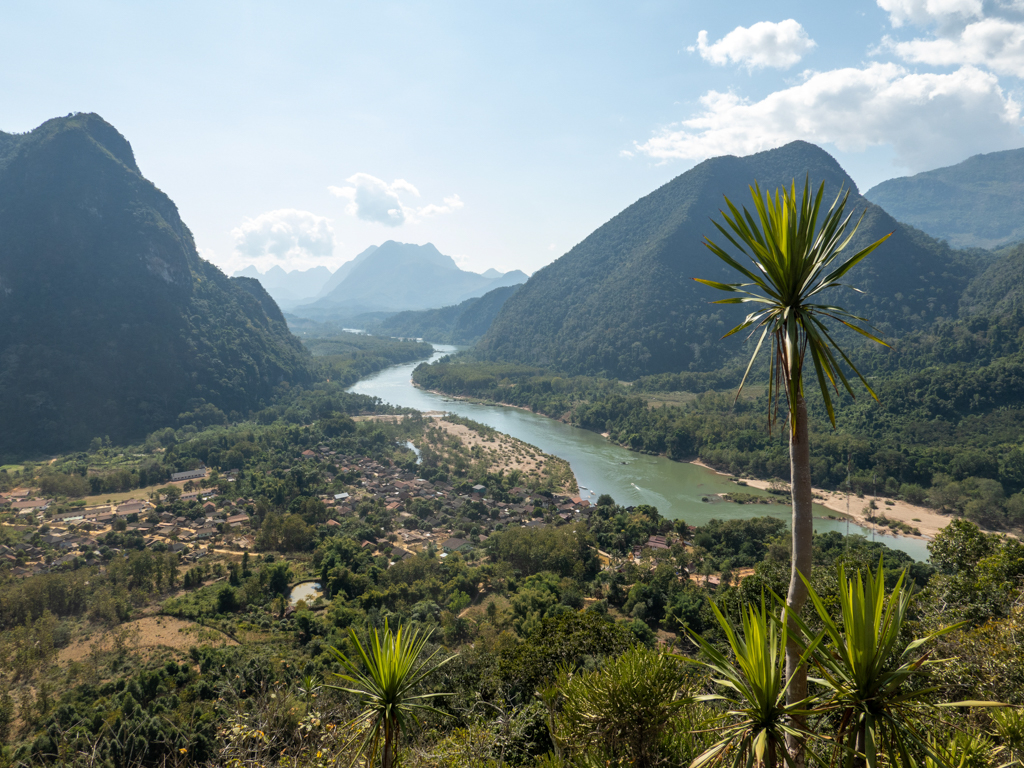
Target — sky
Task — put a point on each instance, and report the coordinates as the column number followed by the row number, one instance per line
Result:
column 297, row 134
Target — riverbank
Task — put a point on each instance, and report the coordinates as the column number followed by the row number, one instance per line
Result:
column 479, row 401
column 926, row 520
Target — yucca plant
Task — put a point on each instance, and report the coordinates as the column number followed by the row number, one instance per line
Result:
column 1008, row 726
column 796, row 255
column 758, row 721
column 964, row 750
column 384, row 675
column 869, row 669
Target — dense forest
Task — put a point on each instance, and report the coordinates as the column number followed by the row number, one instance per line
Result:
column 974, row 204
column 461, row 323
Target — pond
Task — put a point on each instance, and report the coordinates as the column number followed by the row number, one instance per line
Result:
column 305, row 590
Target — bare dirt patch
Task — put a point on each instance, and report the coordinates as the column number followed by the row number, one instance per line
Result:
column 150, row 632
column 500, row 451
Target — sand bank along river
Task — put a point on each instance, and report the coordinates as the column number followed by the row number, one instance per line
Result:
column 676, row 489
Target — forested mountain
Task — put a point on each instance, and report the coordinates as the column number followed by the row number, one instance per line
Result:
column 623, row 301
column 112, row 324
column 461, row 323
column 977, row 203
column 291, row 287
column 403, row 276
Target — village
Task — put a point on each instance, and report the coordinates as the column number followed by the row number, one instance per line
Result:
column 194, row 517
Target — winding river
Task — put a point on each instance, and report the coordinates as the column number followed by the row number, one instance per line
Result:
column 676, row 489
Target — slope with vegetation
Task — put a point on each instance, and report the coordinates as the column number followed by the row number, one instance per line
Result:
column 113, row 324
column 978, row 203
column 461, row 323
column 622, row 303
column 559, row 660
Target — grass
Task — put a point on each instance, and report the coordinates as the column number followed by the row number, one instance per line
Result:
column 139, row 493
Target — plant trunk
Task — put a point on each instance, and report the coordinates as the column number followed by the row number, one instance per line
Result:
column 803, row 532
column 389, row 758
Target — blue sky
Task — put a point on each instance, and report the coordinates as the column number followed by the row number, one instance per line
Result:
column 299, row 133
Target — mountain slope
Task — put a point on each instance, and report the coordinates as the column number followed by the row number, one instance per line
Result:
column 342, row 272
column 977, row 203
column 113, row 325
column 402, row 276
column 461, row 323
column 623, row 302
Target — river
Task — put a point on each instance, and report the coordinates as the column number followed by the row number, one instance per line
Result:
column 600, row 466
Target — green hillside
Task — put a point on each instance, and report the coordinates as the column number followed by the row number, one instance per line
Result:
column 113, row 325
column 623, row 302
column 461, row 323
column 977, row 203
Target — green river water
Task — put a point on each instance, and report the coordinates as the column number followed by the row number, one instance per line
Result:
column 600, row 466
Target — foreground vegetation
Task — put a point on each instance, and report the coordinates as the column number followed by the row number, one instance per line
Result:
column 563, row 635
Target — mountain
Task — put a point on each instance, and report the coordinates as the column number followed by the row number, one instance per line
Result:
column 461, row 323
column 999, row 289
column 623, row 302
column 978, row 203
column 342, row 272
column 403, row 276
column 112, row 324
column 289, row 288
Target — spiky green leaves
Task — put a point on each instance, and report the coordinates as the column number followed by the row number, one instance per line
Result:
column 794, row 258
column 385, row 674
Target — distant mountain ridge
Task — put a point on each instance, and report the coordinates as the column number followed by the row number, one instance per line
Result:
column 461, row 323
column 403, row 276
column 112, row 323
column 978, row 203
column 288, row 288
column 623, row 302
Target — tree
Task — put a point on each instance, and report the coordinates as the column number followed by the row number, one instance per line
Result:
column 386, row 673
column 794, row 256
column 624, row 710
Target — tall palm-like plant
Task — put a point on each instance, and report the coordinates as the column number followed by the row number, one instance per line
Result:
column 385, row 675
column 796, row 255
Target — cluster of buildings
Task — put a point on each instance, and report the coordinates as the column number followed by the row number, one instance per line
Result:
column 437, row 506
column 426, row 514
column 61, row 537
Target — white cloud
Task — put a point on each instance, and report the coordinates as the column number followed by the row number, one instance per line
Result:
column 372, row 199
column 930, row 12
column 451, row 204
column 765, row 44
column 996, row 44
column 295, row 239
column 927, row 118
